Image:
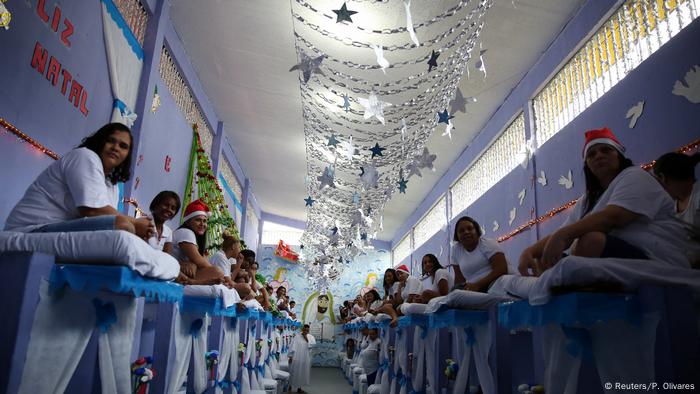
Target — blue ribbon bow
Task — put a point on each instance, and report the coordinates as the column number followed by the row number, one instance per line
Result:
column 106, row 314
column 196, row 327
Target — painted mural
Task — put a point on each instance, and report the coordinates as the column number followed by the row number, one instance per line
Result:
column 320, row 310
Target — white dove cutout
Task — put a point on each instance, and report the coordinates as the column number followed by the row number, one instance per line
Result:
column 567, row 181
column 409, row 22
column 448, row 129
column 483, row 229
column 479, row 65
column 521, row 196
column 495, row 226
column 542, row 179
column 526, row 152
column 691, row 88
column 373, row 106
column 381, row 60
column 511, row 216
column 634, row 113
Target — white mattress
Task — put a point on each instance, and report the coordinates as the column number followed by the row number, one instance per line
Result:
column 110, row 247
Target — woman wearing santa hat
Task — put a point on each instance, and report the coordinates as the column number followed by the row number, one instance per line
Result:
column 624, row 213
column 189, row 246
column 409, row 290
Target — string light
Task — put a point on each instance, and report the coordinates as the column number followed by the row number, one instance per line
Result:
column 41, row 148
column 550, row 214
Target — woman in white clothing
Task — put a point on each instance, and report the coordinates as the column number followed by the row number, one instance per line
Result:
column 189, row 248
column 624, row 213
column 300, row 359
column 408, row 289
column 439, row 279
column 373, row 301
column 79, row 192
column 676, row 173
column 477, row 261
column 230, row 248
column 164, row 206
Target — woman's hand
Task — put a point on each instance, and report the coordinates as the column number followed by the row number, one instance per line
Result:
column 528, row 262
column 189, row 269
column 553, row 250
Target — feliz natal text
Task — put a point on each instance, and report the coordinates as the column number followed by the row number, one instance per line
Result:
column 77, row 94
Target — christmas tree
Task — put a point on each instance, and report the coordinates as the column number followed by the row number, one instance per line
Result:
column 209, row 191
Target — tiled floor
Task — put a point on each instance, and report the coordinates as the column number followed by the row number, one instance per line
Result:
column 327, row 381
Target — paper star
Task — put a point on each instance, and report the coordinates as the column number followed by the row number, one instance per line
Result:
column 402, row 185
column 309, row 201
column 413, row 169
column 426, row 159
column 308, row 66
column 381, row 60
column 355, row 198
column 409, row 22
column 377, row 150
column 326, row 179
column 373, row 107
column 343, row 14
column 334, row 230
column 350, row 150
column 432, row 62
column 369, row 176
column 346, row 103
column 363, row 236
column 444, row 117
column 332, row 141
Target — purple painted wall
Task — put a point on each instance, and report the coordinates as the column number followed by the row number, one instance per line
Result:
column 667, row 123
column 33, row 104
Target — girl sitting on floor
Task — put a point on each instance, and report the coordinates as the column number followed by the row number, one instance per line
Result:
column 478, row 261
column 79, row 192
column 189, row 248
column 624, row 213
column 165, row 206
column 409, row 290
column 439, row 279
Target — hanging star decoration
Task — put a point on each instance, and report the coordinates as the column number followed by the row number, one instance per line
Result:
column 369, row 177
column 426, row 159
column 480, row 65
column 402, row 184
column 363, row 236
column 432, row 62
column 373, row 107
column 309, row 201
column 377, row 150
column 356, row 198
column 343, row 14
column 156, row 100
column 444, row 117
column 326, row 178
column 350, row 150
column 413, row 169
column 332, row 141
column 346, row 103
column 459, row 104
column 309, row 66
column 448, row 130
column 409, row 22
column 381, row 60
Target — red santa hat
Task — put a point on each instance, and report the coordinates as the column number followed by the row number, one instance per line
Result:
column 403, row 268
column 602, row 136
column 196, row 208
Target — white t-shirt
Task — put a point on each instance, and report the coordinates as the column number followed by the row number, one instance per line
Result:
column 182, row 235
column 475, row 264
column 76, row 180
column 413, row 286
column 657, row 232
column 394, row 289
column 158, row 243
column 369, row 356
column 691, row 216
column 220, row 260
column 431, row 283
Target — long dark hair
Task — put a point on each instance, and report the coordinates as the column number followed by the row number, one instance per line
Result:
column 467, row 219
column 593, row 187
column 96, row 143
column 436, row 264
column 677, row 166
column 201, row 239
column 386, row 286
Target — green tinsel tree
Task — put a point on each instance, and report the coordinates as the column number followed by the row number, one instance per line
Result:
column 209, row 191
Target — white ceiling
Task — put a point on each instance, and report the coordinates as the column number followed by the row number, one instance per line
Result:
column 242, row 51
